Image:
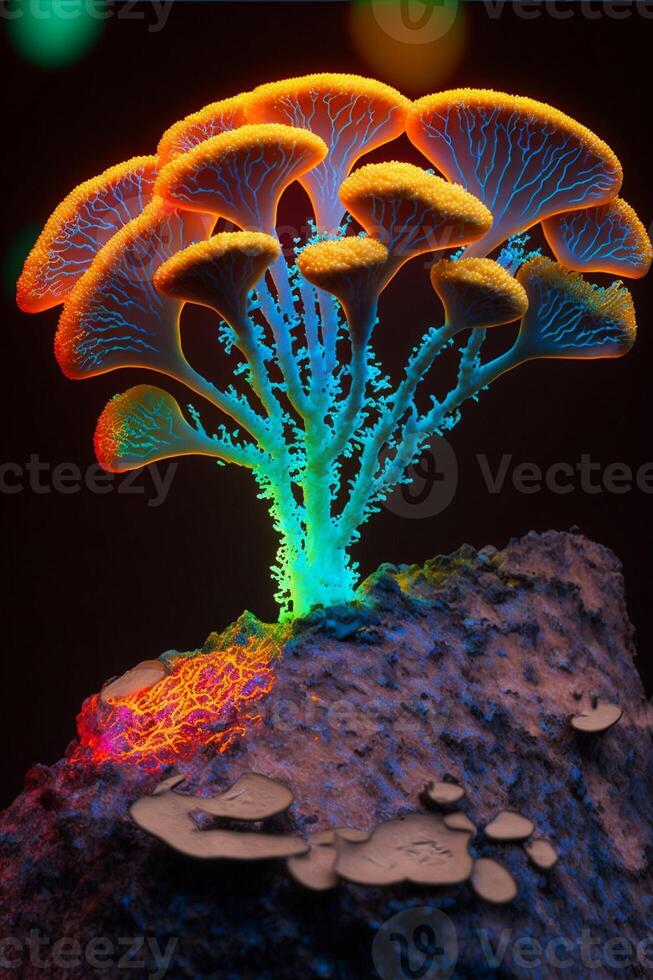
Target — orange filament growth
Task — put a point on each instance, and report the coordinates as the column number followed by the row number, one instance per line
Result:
column 206, row 701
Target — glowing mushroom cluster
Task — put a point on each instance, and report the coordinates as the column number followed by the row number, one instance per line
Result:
column 312, row 413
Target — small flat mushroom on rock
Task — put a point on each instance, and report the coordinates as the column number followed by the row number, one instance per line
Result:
column 168, row 816
column 445, row 794
column 418, row 848
column 542, row 853
column 315, row 870
column 139, row 678
column 459, row 821
column 328, row 837
column 492, row 882
column 509, row 826
column 252, row 797
column 598, row 718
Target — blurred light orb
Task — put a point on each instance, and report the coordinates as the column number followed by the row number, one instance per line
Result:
column 54, row 33
column 14, row 258
column 415, row 21
column 413, row 44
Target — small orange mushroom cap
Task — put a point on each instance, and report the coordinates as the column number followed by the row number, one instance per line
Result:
column 353, row 270
column 144, row 425
column 606, row 238
column 199, row 126
column 219, row 273
column 352, row 114
column 570, row 317
column 76, row 231
column 523, row 159
column 412, row 211
column 478, row 293
column 241, row 174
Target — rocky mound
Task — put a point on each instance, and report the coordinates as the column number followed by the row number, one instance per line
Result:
column 468, row 670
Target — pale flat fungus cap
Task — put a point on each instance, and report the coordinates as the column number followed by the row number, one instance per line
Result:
column 168, row 816
column 570, row 317
column 241, row 173
column 252, row 797
column 139, row 678
column 412, row 211
column 606, row 238
column 445, row 794
column 76, row 231
column 418, row 848
column 144, row 425
column 352, row 114
column 324, row 838
column 219, row 272
column 509, row 826
column 353, row 270
column 315, row 870
column 199, row 126
column 524, row 159
column 599, row 718
column 459, row 821
column 542, row 853
column 478, row 293
column 492, row 882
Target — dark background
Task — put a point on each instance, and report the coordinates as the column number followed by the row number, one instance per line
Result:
column 94, row 583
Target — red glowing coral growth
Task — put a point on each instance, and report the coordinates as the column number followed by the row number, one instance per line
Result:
column 206, row 700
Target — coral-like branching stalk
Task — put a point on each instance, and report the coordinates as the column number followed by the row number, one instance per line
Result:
column 312, row 414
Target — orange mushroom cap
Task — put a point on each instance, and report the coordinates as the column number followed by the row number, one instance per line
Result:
column 199, row 126
column 352, row 114
column 606, row 238
column 478, row 293
column 219, row 272
column 523, row 159
column 241, row 174
column 81, row 225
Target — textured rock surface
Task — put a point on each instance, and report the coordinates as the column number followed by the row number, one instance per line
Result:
column 470, row 668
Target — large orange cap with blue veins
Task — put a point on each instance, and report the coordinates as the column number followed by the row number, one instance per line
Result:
column 352, row 114
column 79, row 228
column 241, row 174
column 568, row 316
column 115, row 317
column 522, row 158
column 607, row 238
column 199, row 126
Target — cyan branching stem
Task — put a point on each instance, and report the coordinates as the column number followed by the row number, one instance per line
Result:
column 330, row 328
column 319, row 393
column 281, row 325
column 237, row 408
column 472, row 378
column 400, row 403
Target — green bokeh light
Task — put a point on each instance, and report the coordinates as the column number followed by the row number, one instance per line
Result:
column 53, row 33
column 14, row 258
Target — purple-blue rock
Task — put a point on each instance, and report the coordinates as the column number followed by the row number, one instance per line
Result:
column 468, row 669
